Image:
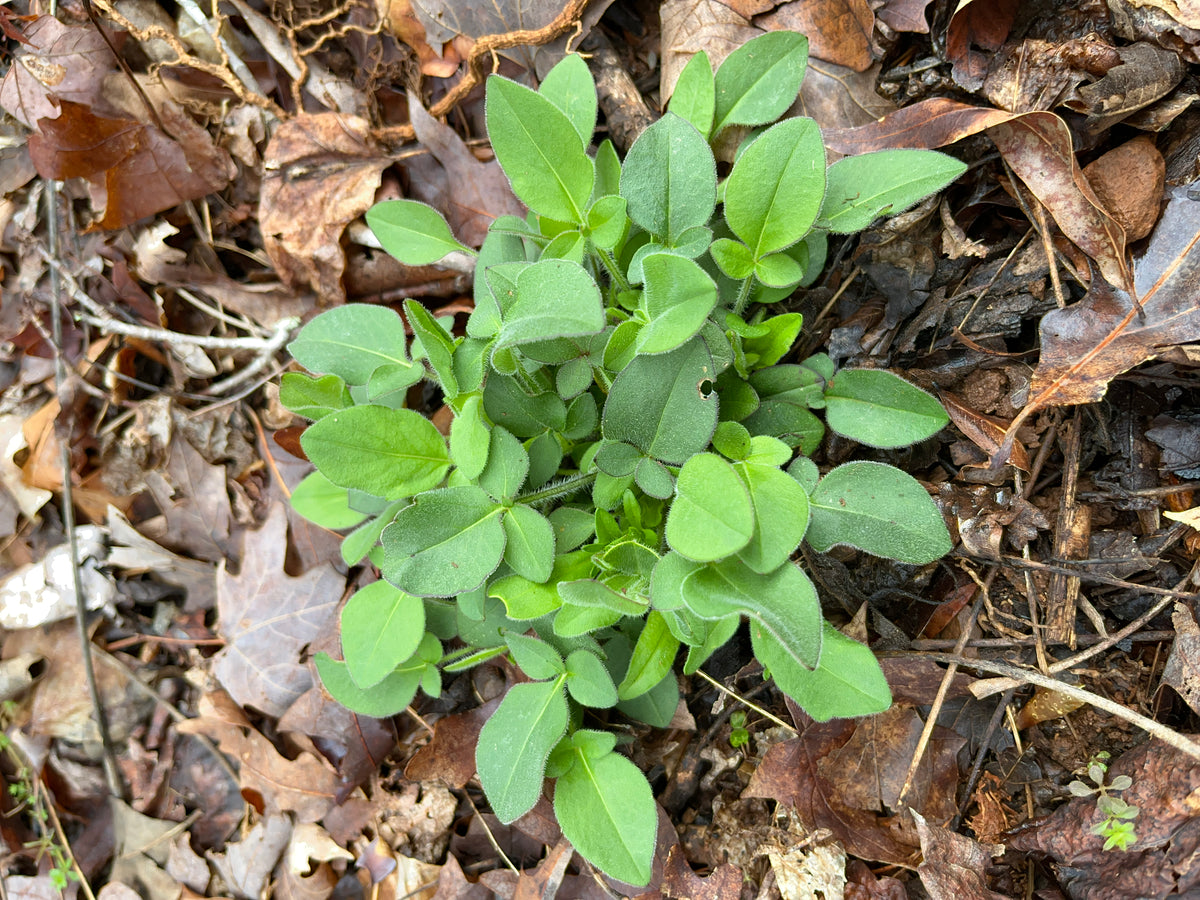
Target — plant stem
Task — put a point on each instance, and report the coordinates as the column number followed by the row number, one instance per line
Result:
column 559, row 488
column 614, row 271
column 743, row 296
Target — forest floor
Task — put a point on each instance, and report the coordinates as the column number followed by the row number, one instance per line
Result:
column 171, row 208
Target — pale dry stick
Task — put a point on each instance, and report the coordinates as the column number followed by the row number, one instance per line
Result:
column 63, row 431
column 1029, row 676
column 217, row 313
column 746, row 703
column 1051, row 257
column 991, row 281
column 99, row 317
column 837, row 295
column 177, row 829
column 488, row 831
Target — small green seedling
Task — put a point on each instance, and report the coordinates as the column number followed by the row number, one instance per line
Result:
column 1116, row 825
column 739, row 734
column 627, row 471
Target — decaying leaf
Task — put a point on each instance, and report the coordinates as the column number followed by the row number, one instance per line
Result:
column 267, row 617
column 1129, row 181
column 839, row 31
column 689, row 26
column 925, row 125
column 840, row 98
column 954, row 866
column 138, row 169
column 1038, row 147
column 679, row 881
column 59, row 62
column 1147, row 72
column 1182, row 670
column 975, row 24
column 321, row 173
column 1086, row 345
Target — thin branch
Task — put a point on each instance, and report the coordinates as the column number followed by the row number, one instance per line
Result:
column 746, row 703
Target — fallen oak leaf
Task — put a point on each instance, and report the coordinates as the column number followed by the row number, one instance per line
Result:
column 59, row 62
column 139, row 170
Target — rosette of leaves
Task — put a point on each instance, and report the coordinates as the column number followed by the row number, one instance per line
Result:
column 627, row 469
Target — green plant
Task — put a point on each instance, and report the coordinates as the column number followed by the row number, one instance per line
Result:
column 1116, row 825
column 628, row 468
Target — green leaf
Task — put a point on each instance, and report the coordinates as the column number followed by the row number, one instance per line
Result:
column 507, row 465
column 389, row 384
column 573, row 621
column 880, row 409
column 653, row 658
column 884, row 183
column 758, row 81
column 846, row 682
column 784, row 602
column 712, row 636
column 879, row 509
column 525, row 416
column 535, row 657
column 470, row 437
column 608, row 222
column 771, row 347
column 616, row 458
column 381, row 627
column 712, row 516
column 415, row 233
column 446, row 543
column 571, row 527
column 588, row 681
column 608, row 171
column 780, row 517
column 539, row 150
column 569, row 246
column 593, row 594
column 545, row 456
column 570, row 87
column 733, row 258
column 774, row 192
column 666, row 582
column 657, row 707
column 313, row 398
column 515, row 742
column 555, row 298
column 678, row 298
column 778, row 270
column 529, row 549
column 362, row 539
column 669, row 178
column 659, row 405
column 380, row 701
column 654, row 478
column 526, row 600
column 324, row 503
column 390, row 453
column 732, row 440
column 694, row 97
column 437, row 343
column 606, row 810
column 352, row 341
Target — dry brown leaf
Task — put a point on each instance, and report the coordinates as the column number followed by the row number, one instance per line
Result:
column 986, row 432
column 1147, row 73
column 246, row 865
column 194, row 500
column 267, row 617
column 840, row 98
column 924, row 125
column 839, row 31
column 1129, row 182
column 1182, row 671
column 689, row 26
column 137, row 168
column 1086, row 345
column 449, row 756
column 954, row 866
column 306, row 786
column 403, row 23
column 60, row 62
column 904, row 15
column 982, row 24
column 1038, row 148
column 321, row 173
column 679, row 881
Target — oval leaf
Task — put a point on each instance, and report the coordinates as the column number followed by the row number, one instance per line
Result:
column 712, row 516
column 879, row 509
column 415, row 233
column 352, row 341
column 884, row 183
column 390, row 453
column 669, row 179
column 381, row 628
column 515, row 743
column 444, row 544
column 606, row 810
column 880, row 409
column 759, row 80
column 380, row 701
column 774, row 192
column 539, row 150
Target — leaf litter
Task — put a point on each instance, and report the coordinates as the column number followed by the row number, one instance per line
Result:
column 209, row 195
